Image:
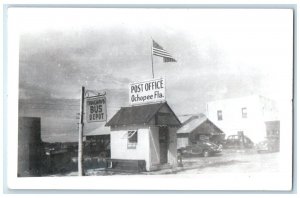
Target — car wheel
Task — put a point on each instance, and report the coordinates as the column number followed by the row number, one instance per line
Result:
column 205, row 153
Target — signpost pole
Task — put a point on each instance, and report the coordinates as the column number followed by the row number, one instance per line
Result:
column 80, row 138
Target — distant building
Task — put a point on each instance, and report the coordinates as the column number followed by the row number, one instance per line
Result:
column 249, row 116
column 30, row 147
column 144, row 136
column 196, row 128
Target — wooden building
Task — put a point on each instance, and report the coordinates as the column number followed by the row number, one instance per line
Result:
column 196, row 128
column 144, row 136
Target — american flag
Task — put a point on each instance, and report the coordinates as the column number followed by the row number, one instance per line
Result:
column 157, row 50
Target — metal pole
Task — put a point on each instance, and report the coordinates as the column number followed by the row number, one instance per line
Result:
column 80, row 138
column 152, row 61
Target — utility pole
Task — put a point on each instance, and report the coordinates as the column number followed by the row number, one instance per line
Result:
column 80, row 138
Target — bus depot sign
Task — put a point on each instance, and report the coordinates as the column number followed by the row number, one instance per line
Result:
column 96, row 109
column 151, row 91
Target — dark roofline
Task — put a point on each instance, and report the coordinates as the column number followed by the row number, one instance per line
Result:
column 193, row 116
column 215, row 125
column 150, row 117
column 196, row 128
column 173, row 113
column 208, row 120
column 161, row 105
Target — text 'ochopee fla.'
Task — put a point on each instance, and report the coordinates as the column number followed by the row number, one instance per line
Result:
column 151, row 91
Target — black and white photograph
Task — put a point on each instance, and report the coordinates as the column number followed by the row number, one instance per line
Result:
column 184, row 98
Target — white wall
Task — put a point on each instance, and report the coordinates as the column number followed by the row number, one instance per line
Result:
column 253, row 126
column 119, row 150
column 269, row 108
column 147, row 147
column 154, row 146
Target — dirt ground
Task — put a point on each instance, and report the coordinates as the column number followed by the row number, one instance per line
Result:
column 234, row 162
column 229, row 161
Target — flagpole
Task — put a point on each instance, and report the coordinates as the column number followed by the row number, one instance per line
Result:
column 152, row 61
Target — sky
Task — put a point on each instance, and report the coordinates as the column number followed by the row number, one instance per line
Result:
column 220, row 53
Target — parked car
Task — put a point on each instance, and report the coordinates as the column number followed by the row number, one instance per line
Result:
column 268, row 145
column 237, row 142
column 204, row 148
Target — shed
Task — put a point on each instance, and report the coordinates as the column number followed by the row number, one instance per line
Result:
column 145, row 133
column 196, row 128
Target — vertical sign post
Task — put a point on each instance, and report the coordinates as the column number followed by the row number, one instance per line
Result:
column 95, row 112
column 80, row 138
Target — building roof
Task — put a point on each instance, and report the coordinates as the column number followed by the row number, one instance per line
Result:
column 184, row 117
column 101, row 130
column 190, row 124
column 195, row 122
column 144, row 114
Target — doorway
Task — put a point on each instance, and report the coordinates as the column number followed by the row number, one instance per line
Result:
column 163, row 144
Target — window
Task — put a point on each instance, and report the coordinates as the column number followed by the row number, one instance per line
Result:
column 244, row 112
column 220, row 117
column 132, row 139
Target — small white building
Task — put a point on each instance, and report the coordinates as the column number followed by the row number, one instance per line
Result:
column 145, row 133
column 247, row 115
